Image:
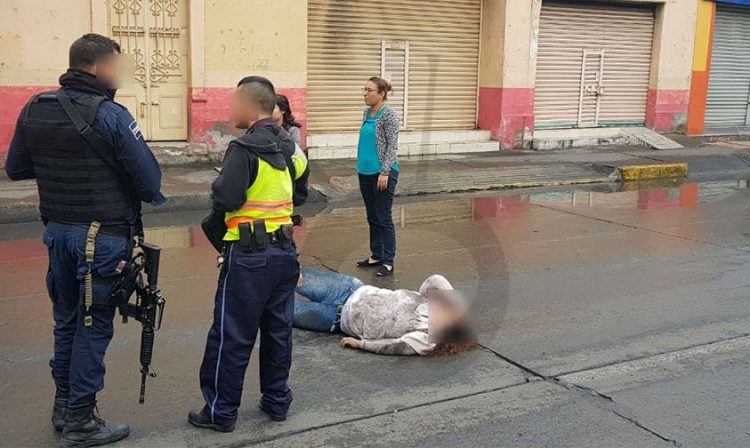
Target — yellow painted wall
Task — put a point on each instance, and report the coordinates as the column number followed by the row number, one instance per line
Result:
column 491, row 43
column 521, row 24
column 508, row 43
column 237, row 37
column 262, row 37
column 35, row 36
column 674, row 38
column 703, row 25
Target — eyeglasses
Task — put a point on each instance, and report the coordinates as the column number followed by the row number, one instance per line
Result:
column 367, row 91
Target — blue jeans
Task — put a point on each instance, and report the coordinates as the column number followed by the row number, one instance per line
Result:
column 256, row 292
column 379, row 206
column 327, row 292
column 78, row 362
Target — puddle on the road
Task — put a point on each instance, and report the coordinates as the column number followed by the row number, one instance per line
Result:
column 182, row 230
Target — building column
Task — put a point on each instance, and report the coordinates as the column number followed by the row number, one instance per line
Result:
column 701, row 65
column 669, row 85
column 509, row 38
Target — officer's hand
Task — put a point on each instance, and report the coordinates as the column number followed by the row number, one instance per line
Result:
column 382, row 182
column 350, row 343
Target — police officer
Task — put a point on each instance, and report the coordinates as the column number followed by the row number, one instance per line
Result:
column 92, row 169
column 255, row 192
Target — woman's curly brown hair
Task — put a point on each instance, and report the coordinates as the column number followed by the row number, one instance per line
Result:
column 442, row 350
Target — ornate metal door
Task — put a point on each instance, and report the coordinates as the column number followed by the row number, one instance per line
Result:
column 154, row 34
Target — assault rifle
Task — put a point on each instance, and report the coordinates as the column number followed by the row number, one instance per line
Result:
column 141, row 276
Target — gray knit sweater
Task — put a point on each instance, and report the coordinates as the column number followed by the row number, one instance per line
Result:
column 386, row 138
column 391, row 322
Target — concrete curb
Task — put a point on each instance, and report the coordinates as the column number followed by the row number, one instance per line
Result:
column 25, row 212
column 629, row 173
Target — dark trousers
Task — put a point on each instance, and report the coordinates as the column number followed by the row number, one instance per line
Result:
column 379, row 205
column 256, row 291
column 78, row 362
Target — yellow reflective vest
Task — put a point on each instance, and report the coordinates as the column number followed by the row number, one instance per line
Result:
column 269, row 197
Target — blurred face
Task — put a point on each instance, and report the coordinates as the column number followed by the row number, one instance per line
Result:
column 442, row 315
column 111, row 71
column 278, row 115
column 243, row 111
column 371, row 94
column 445, row 311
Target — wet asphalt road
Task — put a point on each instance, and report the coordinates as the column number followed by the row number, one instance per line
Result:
column 612, row 319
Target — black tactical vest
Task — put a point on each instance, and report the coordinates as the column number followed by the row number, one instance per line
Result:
column 76, row 184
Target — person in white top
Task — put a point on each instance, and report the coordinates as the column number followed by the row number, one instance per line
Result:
column 400, row 322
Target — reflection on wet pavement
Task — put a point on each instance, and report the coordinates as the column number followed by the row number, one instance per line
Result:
column 539, row 262
column 21, row 241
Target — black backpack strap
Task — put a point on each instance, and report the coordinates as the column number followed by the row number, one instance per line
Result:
column 87, row 132
column 97, row 144
column 96, row 101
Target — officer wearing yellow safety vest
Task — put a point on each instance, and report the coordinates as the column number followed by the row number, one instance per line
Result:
column 263, row 177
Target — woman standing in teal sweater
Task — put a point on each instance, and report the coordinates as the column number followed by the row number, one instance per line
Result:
column 377, row 166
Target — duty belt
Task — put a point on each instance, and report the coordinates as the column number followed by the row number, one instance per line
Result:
column 258, row 239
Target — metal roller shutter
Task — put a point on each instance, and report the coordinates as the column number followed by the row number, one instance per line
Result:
column 593, row 64
column 345, row 45
column 729, row 78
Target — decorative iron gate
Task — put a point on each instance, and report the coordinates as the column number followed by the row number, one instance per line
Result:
column 154, row 34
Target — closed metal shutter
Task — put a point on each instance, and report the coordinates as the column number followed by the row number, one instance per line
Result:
column 593, row 64
column 345, row 45
column 729, row 77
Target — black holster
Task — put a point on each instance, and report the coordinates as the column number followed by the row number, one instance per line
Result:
column 286, row 236
column 214, row 228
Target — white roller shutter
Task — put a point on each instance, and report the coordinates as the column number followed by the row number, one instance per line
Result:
column 729, row 77
column 607, row 45
column 394, row 66
column 345, row 45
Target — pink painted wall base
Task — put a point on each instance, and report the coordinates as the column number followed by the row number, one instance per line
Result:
column 508, row 113
column 209, row 112
column 667, row 110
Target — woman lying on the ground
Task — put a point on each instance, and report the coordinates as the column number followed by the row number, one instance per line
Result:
column 381, row 320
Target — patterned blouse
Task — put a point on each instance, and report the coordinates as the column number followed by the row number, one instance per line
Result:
column 386, row 137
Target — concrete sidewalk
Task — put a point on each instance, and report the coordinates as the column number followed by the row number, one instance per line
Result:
column 335, row 181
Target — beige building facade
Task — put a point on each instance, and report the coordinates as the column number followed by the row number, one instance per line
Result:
column 467, row 74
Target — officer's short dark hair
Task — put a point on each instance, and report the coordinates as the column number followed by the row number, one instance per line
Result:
column 261, row 91
column 265, row 81
column 89, row 49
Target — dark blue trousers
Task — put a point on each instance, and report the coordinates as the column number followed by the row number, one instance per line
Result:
column 379, row 206
column 256, row 292
column 78, row 362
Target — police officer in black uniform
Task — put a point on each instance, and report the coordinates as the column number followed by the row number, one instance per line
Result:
column 263, row 178
column 93, row 169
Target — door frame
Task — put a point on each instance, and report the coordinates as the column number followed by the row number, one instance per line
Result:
column 196, row 75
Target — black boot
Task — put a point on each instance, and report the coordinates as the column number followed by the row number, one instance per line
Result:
column 201, row 420
column 58, row 413
column 83, row 428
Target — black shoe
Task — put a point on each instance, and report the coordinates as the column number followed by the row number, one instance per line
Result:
column 272, row 416
column 385, row 271
column 83, row 428
column 368, row 263
column 201, row 421
column 58, row 413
